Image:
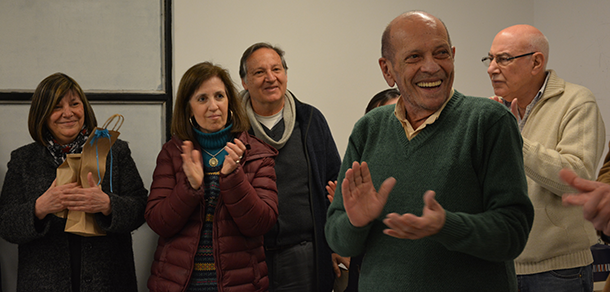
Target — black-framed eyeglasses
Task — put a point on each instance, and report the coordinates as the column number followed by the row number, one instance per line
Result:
column 502, row 60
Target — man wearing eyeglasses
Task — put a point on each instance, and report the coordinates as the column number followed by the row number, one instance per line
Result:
column 561, row 127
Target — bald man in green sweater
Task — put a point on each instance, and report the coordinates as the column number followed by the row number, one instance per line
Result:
column 462, row 154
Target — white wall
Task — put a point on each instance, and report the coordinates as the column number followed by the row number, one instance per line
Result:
column 579, row 37
column 117, row 40
column 332, row 49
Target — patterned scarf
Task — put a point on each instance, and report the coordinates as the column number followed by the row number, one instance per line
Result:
column 203, row 277
column 59, row 151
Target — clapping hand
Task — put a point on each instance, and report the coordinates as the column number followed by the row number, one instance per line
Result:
column 409, row 226
column 235, row 152
column 362, row 202
column 593, row 196
column 191, row 164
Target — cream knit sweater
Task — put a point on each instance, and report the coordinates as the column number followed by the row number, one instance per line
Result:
column 564, row 129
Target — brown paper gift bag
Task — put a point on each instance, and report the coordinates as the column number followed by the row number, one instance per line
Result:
column 68, row 172
column 93, row 159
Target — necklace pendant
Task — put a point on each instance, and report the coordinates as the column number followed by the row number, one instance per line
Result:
column 213, row 161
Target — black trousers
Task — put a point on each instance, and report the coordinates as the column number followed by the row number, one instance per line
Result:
column 291, row 268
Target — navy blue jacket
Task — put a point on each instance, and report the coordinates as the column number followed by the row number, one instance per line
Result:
column 324, row 162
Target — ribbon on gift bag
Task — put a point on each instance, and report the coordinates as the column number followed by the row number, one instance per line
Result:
column 93, row 159
column 96, row 149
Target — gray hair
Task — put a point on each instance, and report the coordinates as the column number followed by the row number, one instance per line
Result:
column 539, row 43
column 243, row 69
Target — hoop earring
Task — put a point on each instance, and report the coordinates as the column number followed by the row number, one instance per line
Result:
column 193, row 123
column 229, row 118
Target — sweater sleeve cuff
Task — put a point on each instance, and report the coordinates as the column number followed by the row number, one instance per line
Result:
column 452, row 230
column 350, row 240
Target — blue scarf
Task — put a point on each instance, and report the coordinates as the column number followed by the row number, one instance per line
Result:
column 213, row 144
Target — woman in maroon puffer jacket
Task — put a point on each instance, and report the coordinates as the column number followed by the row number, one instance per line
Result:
column 213, row 195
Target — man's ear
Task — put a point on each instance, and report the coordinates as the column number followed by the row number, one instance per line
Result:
column 243, row 83
column 386, row 70
column 539, row 61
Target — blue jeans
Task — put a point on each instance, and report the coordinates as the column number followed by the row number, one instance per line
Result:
column 568, row 280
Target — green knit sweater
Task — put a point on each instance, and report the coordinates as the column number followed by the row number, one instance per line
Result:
column 472, row 158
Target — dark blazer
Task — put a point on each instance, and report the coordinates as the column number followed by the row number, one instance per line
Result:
column 44, row 254
column 324, row 164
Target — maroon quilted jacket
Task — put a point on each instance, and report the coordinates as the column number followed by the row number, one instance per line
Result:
column 246, row 210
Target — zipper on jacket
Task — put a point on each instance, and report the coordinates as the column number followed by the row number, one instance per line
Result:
column 201, row 218
column 219, row 275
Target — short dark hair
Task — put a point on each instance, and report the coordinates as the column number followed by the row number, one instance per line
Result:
column 381, row 98
column 47, row 95
column 243, row 68
column 387, row 49
column 190, row 82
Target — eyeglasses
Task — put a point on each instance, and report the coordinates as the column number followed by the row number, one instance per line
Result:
column 502, row 60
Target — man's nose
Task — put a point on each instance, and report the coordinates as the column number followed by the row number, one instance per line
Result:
column 430, row 65
column 493, row 67
column 270, row 76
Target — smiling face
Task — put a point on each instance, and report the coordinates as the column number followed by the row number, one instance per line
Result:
column 67, row 118
column 422, row 65
column 266, row 81
column 209, row 105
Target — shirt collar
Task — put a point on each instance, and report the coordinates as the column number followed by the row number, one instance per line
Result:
column 401, row 114
column 530, row 106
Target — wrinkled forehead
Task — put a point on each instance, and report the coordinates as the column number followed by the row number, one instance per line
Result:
column 262, row 57
column 419, row 40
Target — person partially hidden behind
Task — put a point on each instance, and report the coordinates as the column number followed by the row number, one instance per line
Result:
column 461, row 153
column 561, row 127
column 384, row 97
